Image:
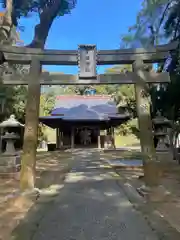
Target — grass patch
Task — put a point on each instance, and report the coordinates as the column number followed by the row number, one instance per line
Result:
column 127, row 141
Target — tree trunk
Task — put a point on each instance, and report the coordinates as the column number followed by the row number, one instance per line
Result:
column 5, row 32
column 28, row 160
column 145, row 126
column 7, row 22
column 47, row 17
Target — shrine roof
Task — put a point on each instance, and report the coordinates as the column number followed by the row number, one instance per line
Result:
column 77, row 107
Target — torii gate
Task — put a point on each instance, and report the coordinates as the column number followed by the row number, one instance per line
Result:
column 87, row 57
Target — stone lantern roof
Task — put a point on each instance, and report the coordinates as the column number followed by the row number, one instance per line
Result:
column 11, row 122
column 161, row 120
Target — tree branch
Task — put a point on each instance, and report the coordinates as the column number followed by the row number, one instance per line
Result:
column 164, row 14
column 47, row 16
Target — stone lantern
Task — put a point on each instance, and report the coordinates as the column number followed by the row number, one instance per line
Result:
column 161, row 126
column 10, row 157
column 10, row 138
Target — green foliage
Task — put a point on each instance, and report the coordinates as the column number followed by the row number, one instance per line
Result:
column 26, row 7
column 130, row 127
column 124, row 129
column 172, row 25
column 15, row 101
column 150, row 29
column 123, row 95
column 47, row 101
column 19, row 101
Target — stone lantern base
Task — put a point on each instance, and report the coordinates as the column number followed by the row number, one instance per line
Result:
column 9, row 164
column 164, row 155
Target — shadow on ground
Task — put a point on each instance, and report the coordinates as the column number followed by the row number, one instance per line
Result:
column 46, row 209
column 52, row 167
column 64, row 216
column 51, row 170
column 90, row 206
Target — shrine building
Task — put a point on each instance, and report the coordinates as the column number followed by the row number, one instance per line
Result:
column 84, row 121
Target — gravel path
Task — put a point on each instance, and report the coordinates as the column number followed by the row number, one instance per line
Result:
column 91, row 206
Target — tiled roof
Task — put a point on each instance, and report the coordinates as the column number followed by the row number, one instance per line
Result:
column 79, row 107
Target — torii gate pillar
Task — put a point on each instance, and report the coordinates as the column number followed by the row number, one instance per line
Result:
column 145, row 127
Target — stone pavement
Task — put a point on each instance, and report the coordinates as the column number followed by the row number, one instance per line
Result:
column 167, row 208
column 92, row 206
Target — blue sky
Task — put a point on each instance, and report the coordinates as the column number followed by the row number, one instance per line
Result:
column 99, row 22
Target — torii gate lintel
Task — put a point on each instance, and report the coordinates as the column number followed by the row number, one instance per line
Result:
column 87, row 58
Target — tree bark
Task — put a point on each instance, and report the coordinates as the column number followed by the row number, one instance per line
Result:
column 7, row 22
column 28, row 160
column 47, row 17
column 5, row 32
column 145, row 125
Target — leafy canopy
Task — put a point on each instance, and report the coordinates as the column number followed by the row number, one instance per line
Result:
column 23, row 8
